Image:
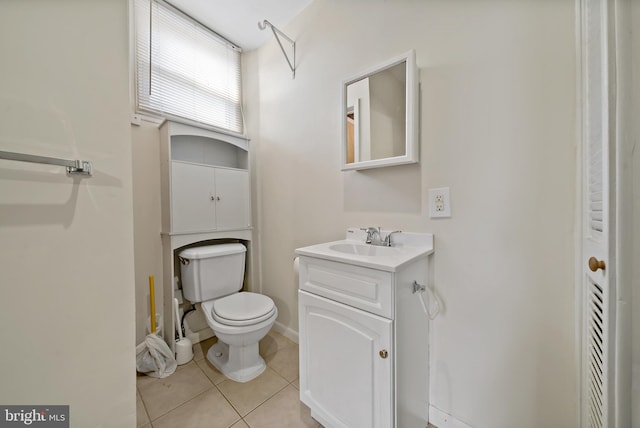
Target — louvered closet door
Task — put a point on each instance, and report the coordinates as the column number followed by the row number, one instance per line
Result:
column 597, row 311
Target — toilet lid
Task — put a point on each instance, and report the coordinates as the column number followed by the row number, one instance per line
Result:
column 242, row 308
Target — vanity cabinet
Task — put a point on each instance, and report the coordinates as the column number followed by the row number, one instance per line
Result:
column 348, row 356
column 205, row 196
column 363, row 343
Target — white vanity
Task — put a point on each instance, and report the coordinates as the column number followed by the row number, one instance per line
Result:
column 364, row 331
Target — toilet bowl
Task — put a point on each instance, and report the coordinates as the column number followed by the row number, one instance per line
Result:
column 213, row 275
column 236, row 353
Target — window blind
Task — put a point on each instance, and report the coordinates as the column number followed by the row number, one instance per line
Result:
column 185, row 70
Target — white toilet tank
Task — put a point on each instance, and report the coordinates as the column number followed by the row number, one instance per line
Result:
column 212, row 271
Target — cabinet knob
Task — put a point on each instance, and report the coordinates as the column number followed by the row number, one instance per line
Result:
column 384, row 354
column 595, row 264
column 213, row 198
column 217, row 198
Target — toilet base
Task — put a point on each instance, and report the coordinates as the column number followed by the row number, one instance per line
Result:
column 238, row 363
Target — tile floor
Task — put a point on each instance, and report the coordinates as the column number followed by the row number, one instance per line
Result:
column 198, row 395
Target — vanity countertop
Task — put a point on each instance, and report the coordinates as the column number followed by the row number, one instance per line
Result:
column 406, row 247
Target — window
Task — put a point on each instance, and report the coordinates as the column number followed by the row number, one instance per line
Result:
column 184, row 70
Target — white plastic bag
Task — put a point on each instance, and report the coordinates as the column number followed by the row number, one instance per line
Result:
column 156, row 359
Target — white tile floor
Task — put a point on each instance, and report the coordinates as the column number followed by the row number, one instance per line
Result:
column 198, row 395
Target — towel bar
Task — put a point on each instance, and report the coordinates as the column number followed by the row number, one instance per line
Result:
column 73, row 166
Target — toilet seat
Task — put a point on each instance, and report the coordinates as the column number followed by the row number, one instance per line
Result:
column 242, row 309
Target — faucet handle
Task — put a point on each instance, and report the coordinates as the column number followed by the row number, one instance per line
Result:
column 387, row 239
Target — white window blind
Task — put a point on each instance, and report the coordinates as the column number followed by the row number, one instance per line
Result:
column 184, row 69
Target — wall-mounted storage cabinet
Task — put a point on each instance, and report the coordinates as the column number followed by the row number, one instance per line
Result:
column 217, row 198
column 205, row 188
column 205, row 180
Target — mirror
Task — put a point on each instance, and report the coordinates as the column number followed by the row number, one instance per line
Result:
column 379, row 115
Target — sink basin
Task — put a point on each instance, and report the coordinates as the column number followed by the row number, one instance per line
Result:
column 407, row 246
column 363, row 249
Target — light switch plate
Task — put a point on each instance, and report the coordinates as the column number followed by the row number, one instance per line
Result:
column 439, row 202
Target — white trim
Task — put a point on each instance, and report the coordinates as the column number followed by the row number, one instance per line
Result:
column 444, row 420
column 286, row 332
column 578, row 253
column 412, row 139
column 182, row 128
column 138, row 118
column 133, row 88
column 621, row 61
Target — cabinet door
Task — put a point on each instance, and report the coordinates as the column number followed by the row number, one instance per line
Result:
column 192, row 207
column 232, row 199
column 345, row 374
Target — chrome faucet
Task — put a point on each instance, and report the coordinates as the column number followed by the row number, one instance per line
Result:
column 375, row 238
column 371, row 235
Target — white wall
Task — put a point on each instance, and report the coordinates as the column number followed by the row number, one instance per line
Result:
column 498, row 127
column 67, row 294
column 626, row 139
column 145, row 146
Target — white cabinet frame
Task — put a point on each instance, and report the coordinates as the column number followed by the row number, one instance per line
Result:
column 205, row 196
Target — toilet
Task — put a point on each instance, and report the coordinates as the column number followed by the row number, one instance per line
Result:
column 213, row 276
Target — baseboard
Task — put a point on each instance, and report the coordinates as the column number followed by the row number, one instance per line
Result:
column 199, row 336
column 286, row 332
column 444, row 420
column 196, row 328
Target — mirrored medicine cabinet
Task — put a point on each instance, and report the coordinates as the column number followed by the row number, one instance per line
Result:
column 379, row 115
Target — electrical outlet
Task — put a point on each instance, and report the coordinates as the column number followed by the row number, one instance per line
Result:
column 439, row 202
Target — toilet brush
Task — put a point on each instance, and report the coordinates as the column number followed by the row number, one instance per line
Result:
column 184, row 347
